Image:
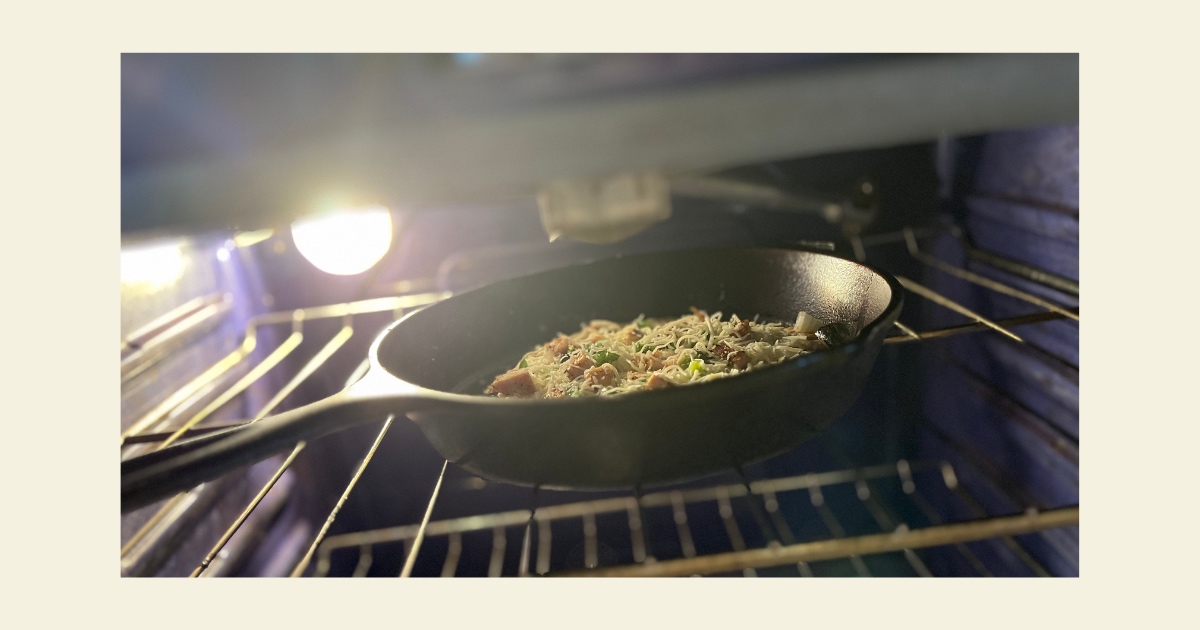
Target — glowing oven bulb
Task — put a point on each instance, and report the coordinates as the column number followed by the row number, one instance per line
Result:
column 346, row 242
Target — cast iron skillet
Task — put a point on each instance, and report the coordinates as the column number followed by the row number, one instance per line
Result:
column 433, row 364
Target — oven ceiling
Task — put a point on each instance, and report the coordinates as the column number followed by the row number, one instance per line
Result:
column 249, row 141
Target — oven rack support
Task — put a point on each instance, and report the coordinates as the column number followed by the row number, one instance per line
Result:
column 138, row 434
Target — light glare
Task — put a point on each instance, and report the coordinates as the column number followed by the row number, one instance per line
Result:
column 246, row 239
column 344, row 243
column 154, row 265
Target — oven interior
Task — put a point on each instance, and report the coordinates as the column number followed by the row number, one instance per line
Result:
column 960, row 457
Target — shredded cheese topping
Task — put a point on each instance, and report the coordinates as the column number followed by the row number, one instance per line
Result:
column 607, row 358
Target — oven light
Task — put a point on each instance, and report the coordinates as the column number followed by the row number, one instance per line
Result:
column 346, row 242
column 152, row 265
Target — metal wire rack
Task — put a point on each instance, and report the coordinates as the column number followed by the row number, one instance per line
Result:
column 763, row 500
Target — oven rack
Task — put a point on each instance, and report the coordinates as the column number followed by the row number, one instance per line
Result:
column 157, row 429
column 761, row 500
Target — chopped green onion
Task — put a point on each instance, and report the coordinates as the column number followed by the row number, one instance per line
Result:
column 523, row 363
column 696, row 366
column 605, row 356
column 644, row 324
column 638, row 347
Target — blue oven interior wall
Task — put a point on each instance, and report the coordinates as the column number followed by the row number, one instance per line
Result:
column 1006, row 413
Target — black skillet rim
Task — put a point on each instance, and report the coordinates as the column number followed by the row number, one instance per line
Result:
column 748, row 380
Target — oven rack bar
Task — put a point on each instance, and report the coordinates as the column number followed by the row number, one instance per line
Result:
column 856, row 547
column 914, row 250
column 949, row 331
column 859, row 245
column 146, row 346
column 909, row 235
column 302, row 566
column 256, row 372
column 1015, row 267
column 142, row 336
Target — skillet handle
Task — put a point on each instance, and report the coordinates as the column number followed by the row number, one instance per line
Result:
column 156, row 476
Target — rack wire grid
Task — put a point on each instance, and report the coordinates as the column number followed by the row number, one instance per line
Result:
column 758, row 539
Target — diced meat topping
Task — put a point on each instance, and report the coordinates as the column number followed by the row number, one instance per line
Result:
column 579, row 364
column 738, row 359
column 558, row 347
column 602, row 375
column 652, row 363
column 517, row 383
column 658, row 382
column 742, row 329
